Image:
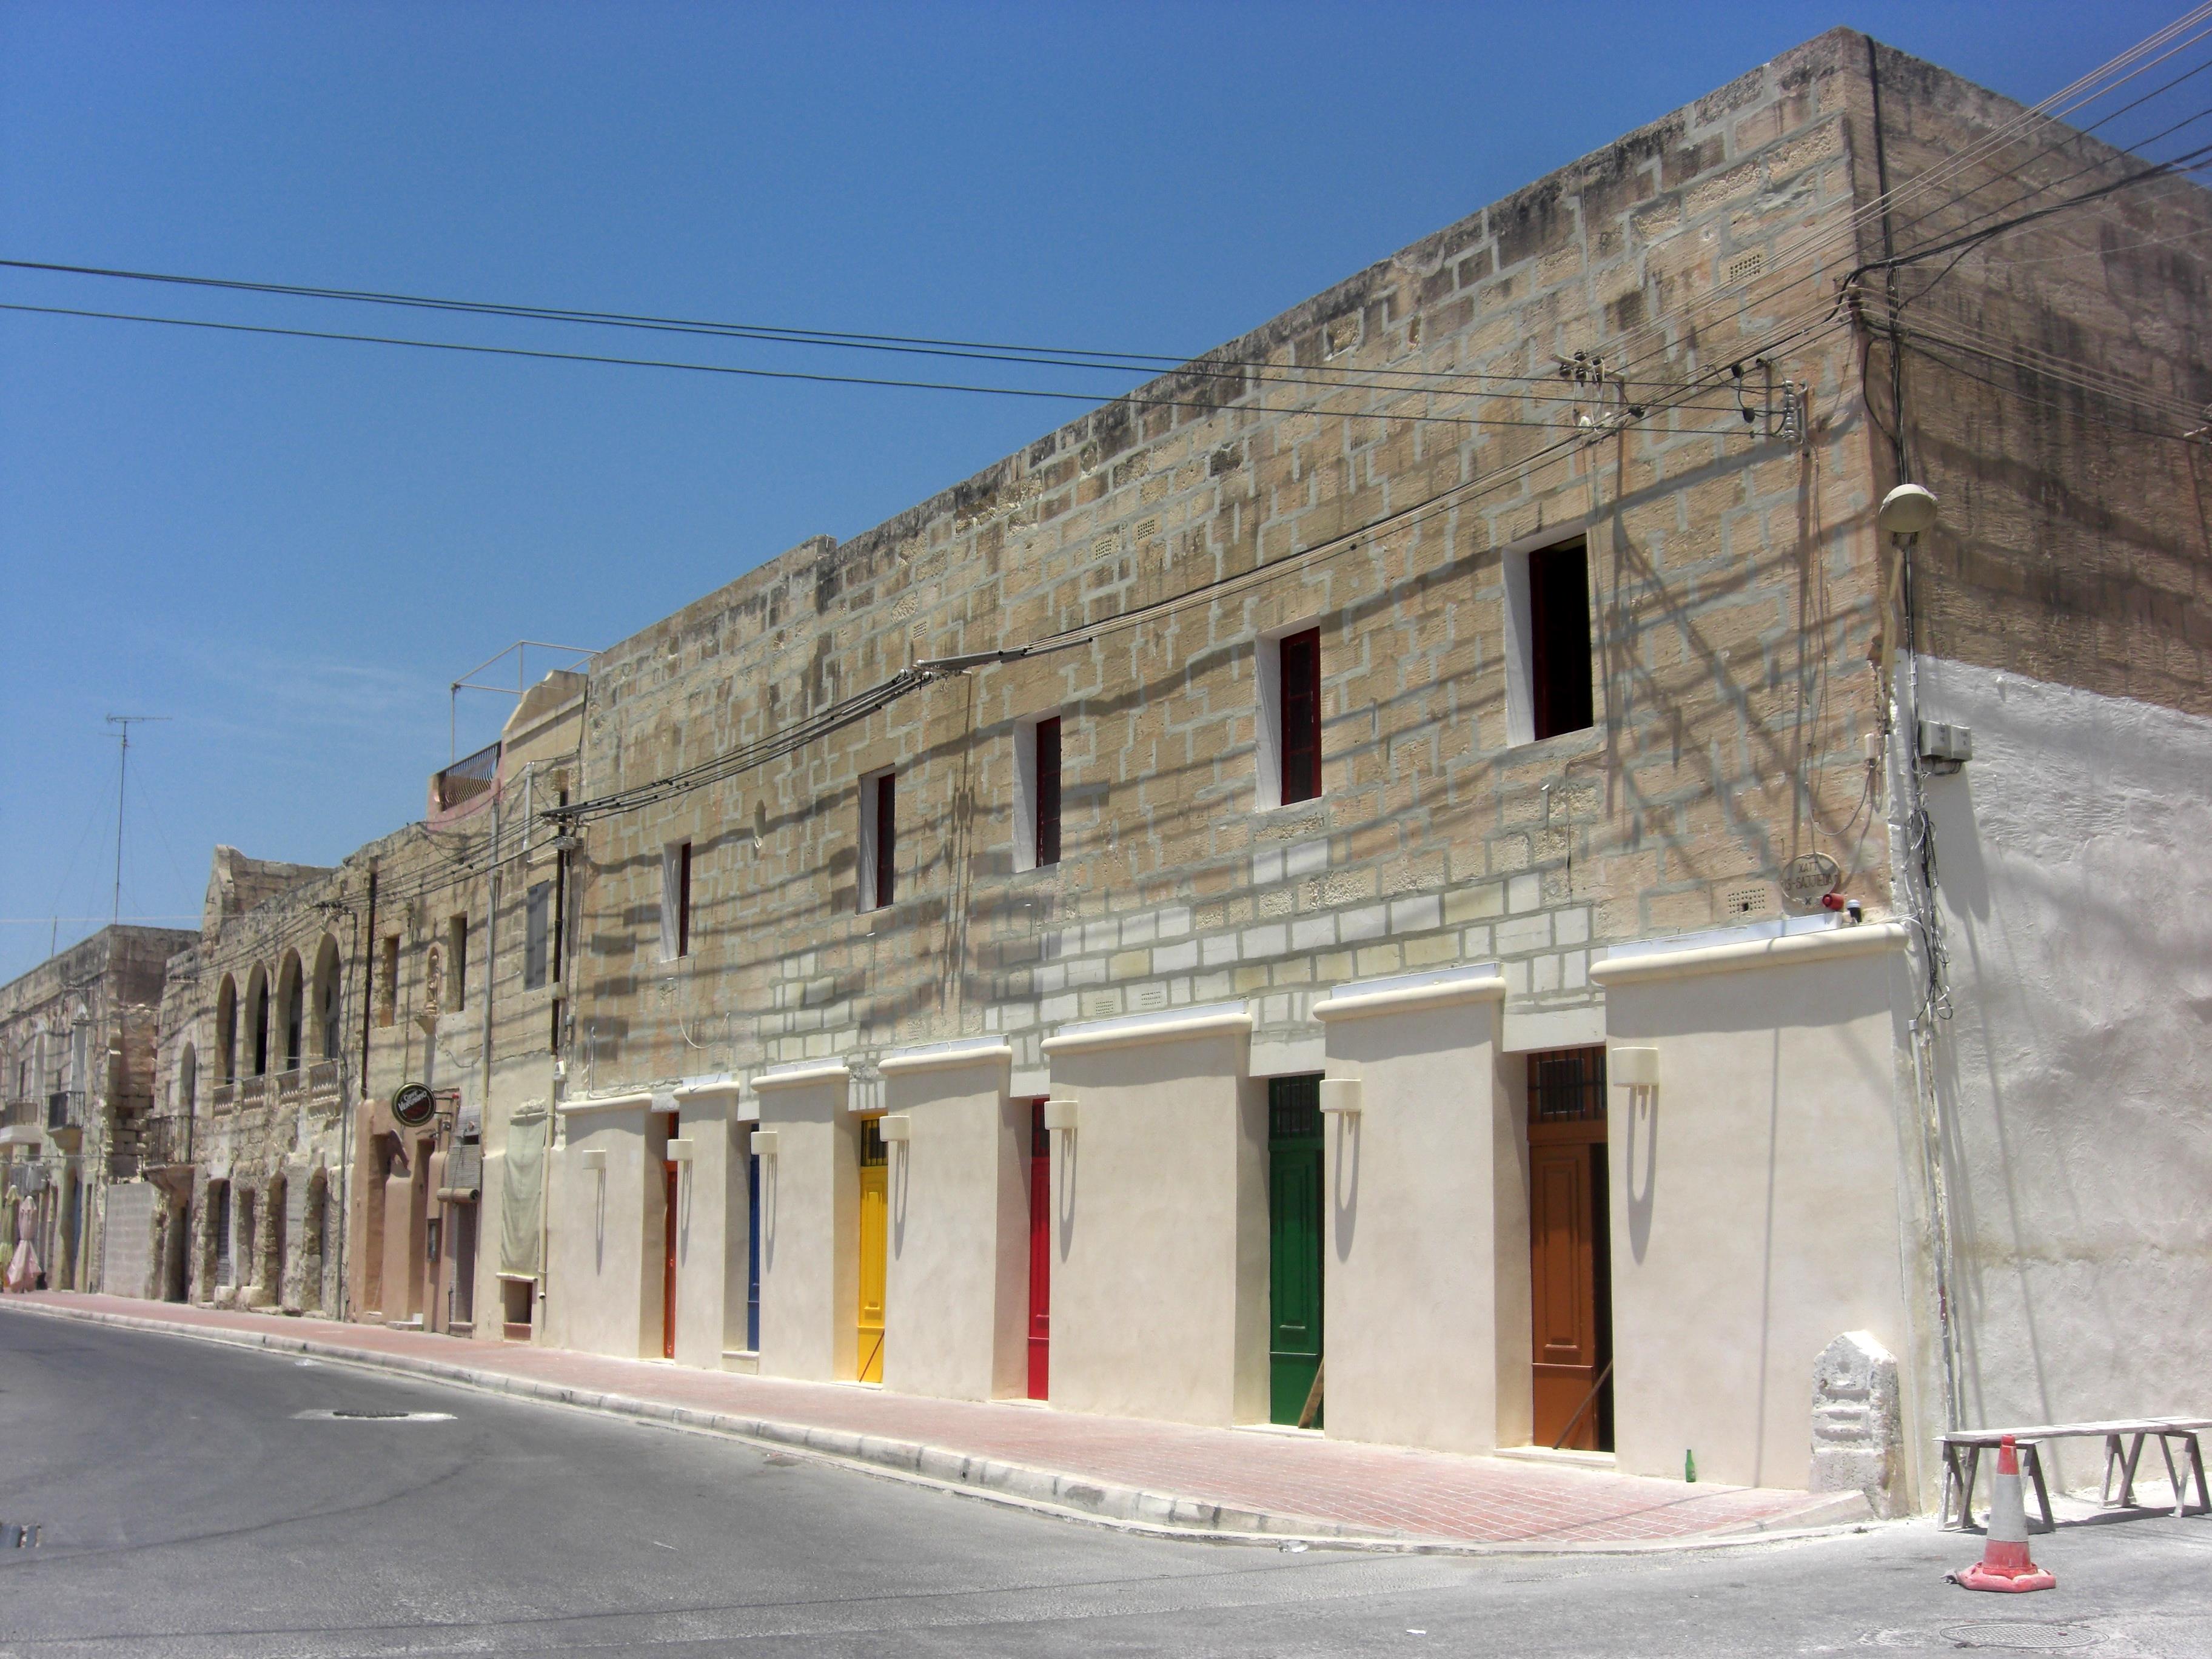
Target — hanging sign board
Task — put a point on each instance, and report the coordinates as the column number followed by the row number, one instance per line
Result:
column 413, row 1105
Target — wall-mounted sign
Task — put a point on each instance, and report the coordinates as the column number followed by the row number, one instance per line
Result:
column 413, row 1105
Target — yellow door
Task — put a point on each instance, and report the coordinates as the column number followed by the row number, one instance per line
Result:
column 875, row 1219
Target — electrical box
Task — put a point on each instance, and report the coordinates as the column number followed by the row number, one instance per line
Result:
column 1946, row 745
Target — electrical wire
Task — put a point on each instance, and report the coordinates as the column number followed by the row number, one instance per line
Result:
column 1133, row 399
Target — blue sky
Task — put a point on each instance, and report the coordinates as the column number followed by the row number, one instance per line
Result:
column 290, row 548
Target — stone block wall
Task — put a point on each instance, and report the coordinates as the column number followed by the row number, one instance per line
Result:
column 1282, row 481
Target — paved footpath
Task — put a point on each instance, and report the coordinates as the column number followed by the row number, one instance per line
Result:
column 1153, row 1476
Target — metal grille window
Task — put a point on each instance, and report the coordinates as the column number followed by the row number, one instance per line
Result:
column 1567, row 1085
column 872, row 1151
column 1293, row 1107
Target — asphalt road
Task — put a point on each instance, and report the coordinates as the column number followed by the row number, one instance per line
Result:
column 192, row 1503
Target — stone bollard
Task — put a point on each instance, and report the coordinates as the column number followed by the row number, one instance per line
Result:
column 1857, row 1425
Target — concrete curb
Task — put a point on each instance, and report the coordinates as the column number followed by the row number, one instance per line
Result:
column 1045, row 1491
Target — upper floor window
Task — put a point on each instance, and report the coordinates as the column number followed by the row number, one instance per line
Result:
column 675, row 901
column 1290, row 717
column 1036, row 793
column 457, row 960
column 387, row 980
column 1550, row 679
column 537, row 934
column 879, row 840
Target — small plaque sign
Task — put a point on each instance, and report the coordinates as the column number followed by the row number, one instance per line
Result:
column 413, row 1105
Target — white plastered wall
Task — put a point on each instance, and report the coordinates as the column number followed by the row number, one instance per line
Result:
column 710, row 1226
column 956, row 1297
column 1425, row 1265
column 1756, row 1193
column 605, row 1285
column 2075, row 897
column 810, row 1195
column 1159, row 1222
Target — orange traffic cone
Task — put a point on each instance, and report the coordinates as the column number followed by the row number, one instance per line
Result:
column 2004, row 1564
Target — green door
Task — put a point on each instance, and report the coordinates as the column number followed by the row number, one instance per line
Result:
column 1294, row 1196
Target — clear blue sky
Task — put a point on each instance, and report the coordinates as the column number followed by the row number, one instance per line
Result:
column 290, row 547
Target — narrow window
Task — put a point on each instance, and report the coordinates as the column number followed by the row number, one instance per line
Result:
column 387, row 990
column 1048, row 791
column 879, row 840
column 1036, row 793
column 457, row 953
column 537, row 934
column 553, row 1039
column 1558, row 640
column 1300, row 741
column 261, row 1026
column 675, row 901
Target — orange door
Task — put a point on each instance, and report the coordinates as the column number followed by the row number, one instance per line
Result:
column 668, row 1271
column 1568, row 1249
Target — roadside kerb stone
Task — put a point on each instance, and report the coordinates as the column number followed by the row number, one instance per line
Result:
column 1078, row 1497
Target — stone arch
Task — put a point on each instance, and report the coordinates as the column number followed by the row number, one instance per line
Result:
column 315, row 1241
column 246, row 1241
column 275, row 1247
column 291, row 1013
column 330, row 1036
column 226, row 1030
column 216, row 1261
column 256, row 1019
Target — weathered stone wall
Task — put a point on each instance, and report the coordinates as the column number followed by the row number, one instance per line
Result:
column 1732, row 609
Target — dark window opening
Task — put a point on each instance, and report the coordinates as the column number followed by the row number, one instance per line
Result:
column 1300, row 715
column 1047, row 791
column 1559, row 640
column 260, row 1028
column 683, row 900
column 886, row 838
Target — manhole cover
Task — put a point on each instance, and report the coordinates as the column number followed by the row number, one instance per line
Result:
column 349, row 1414
column 18, row 1535
column 2019, row 1635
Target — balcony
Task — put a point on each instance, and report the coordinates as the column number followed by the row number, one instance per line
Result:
column 64, row 1108
column 222, row 1097
column 465, row 780
column 147, row 1143
column 325, row 1089
column 22, row 1124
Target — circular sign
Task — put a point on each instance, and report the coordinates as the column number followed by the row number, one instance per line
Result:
column 1806, row 879
column 413, row 1104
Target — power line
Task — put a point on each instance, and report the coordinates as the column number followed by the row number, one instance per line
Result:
column 1095, row 398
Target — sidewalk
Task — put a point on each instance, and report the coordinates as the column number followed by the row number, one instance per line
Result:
column 1163, row 1476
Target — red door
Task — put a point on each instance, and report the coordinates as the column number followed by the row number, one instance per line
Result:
column 1040, row 1254
column 668, row 1274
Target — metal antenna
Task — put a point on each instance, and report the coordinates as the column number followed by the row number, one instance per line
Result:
column 122, row 778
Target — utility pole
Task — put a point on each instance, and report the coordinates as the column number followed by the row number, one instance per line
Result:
column 122, row 778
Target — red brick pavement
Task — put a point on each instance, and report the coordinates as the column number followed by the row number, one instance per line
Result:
column 1422, row 1494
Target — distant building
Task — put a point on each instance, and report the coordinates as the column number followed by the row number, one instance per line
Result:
column 77, row 1077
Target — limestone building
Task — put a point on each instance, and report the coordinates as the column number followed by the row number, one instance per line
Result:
column 1389, row 879
column 76, row 1069
column 351, row 1058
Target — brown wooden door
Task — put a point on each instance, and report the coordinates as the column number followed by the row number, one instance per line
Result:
column 1569, row 1249
column 668, row 1271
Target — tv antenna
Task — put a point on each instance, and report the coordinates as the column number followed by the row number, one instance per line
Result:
column 122, row 778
